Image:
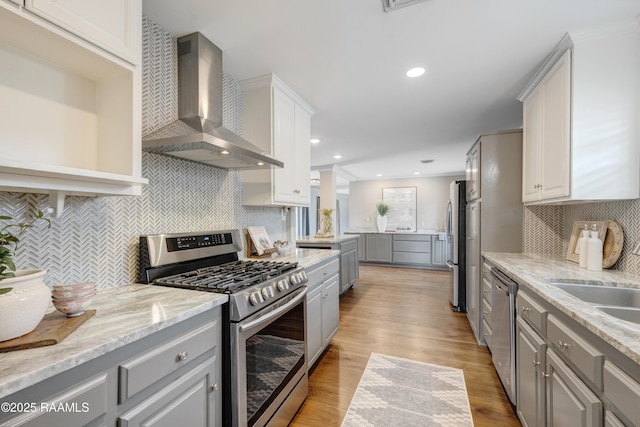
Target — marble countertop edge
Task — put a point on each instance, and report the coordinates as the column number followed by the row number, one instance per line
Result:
column 535, row 271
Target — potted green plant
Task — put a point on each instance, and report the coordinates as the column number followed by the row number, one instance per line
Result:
column 24, row 297
column 381, row 220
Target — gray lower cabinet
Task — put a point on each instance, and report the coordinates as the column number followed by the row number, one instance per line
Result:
column 567, row 376
column 569, row 400
column 412, row 249
column 349, row 258
column 530, row 381
column 361, row 249
column 378, row 248
column 439, row 251
column 323, row 313
column 168, row 378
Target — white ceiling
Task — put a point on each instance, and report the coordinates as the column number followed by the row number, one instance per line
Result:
column 347, row 59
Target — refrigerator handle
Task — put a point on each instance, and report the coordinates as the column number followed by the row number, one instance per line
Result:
column 450, row 264
column 448, row 221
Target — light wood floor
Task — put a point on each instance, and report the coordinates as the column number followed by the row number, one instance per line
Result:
column 404, row 313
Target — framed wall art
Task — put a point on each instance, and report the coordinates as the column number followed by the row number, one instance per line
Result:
column 402, row 208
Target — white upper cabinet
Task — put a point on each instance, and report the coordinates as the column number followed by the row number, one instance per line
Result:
column 279, row 122
column 580, row 119
column 109, row 24
column 70, row 116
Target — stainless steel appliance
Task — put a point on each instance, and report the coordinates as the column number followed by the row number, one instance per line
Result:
column 494, row 209
column 455, row 227
column 198, row 134
column 503, row 341
column 264, row 323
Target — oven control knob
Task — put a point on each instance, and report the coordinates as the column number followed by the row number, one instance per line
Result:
column 283, row 285
column 267, row 292
column 256, row 298
column 294, row 279
column 303, row 275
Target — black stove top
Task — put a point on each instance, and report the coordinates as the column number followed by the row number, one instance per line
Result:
column 229, row 277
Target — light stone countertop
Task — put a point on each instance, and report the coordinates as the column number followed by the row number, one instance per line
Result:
column 123, row 314
column 330, row 240
column 419, row 232
column 534, row 272
column 304, row 257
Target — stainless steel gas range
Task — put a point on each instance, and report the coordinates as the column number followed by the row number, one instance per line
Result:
column 264, row 323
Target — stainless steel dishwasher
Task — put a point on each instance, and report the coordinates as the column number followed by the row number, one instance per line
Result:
column 503, row 345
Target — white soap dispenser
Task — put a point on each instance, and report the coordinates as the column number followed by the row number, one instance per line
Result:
column 594, row 251
column 583, row 247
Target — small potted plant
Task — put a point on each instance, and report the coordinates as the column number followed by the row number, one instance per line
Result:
column 282, row 247
column 24, row 297
column 381, row 220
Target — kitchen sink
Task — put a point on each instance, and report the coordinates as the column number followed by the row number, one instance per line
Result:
column 602, row 295
column 630, row 314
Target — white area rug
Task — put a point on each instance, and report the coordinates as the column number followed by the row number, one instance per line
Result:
column 402, row 392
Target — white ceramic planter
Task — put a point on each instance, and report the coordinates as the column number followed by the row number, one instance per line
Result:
column 22, row 309
column 382, row 223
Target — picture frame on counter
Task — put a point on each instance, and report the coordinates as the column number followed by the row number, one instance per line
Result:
column 403, row 204
column 258, row 242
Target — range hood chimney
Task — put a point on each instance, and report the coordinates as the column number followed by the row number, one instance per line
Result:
column 198, row 134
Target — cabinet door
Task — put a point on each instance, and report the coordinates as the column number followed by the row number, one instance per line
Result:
column 361, row 248
column 438, row 252
column 556, row 120
column 473, row 268
column 330, row 309
column 531, row 146
column 384, row 247
column 473, row 173
column 530, row 362
column 569, row 401
column 348, row 269
column 283, row 145
column 109, row 24
column 302, row 157
column 373, row 251
column 188, row 401
column 314, row 323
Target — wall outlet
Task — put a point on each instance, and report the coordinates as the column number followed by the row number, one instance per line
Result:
column 367, row 219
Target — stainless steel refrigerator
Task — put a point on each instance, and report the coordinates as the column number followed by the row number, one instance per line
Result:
column 455, row 228
column 493, row 214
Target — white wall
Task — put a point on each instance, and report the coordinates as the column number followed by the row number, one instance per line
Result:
column 432, row 196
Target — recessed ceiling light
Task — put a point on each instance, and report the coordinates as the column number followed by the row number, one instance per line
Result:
column 260, row 164
column 416, row 173
column 337, row 156
column 314, row 140
column 415, row 72
column 379, row 174
column 224, row 152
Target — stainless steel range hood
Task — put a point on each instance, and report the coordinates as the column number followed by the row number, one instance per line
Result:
column 198, row 134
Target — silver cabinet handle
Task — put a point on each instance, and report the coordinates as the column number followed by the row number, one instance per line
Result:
column 563, row 345
column 524, row 310
column 535, row 363
column 213, row 387
column 182, row 356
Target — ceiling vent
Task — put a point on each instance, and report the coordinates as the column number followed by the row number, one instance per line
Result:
column 426, row 161
column 390, row 5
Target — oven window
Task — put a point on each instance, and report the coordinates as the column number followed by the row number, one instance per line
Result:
column 274, row 355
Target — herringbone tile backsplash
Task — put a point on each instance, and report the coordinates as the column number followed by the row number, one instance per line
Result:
column 95, row 239
column 547, row 229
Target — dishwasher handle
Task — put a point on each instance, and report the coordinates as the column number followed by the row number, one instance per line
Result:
column 512, row 287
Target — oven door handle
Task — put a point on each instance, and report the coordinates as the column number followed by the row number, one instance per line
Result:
column 275, row 313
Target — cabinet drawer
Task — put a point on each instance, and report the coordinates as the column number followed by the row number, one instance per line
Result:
column 89, row 400
column 623, row 391
column 486, row 333
column 486, row 311
column 411, row 258
column 140, row 372
column 412, row 237
column 420, row 247
column 532, row 312
column 318, row 274
column 349, row 246
column 486, row 290
column 580, row 353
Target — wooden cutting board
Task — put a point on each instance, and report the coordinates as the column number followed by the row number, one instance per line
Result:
column 54, row 328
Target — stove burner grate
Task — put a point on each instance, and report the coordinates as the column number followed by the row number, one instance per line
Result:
column 229, row 277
